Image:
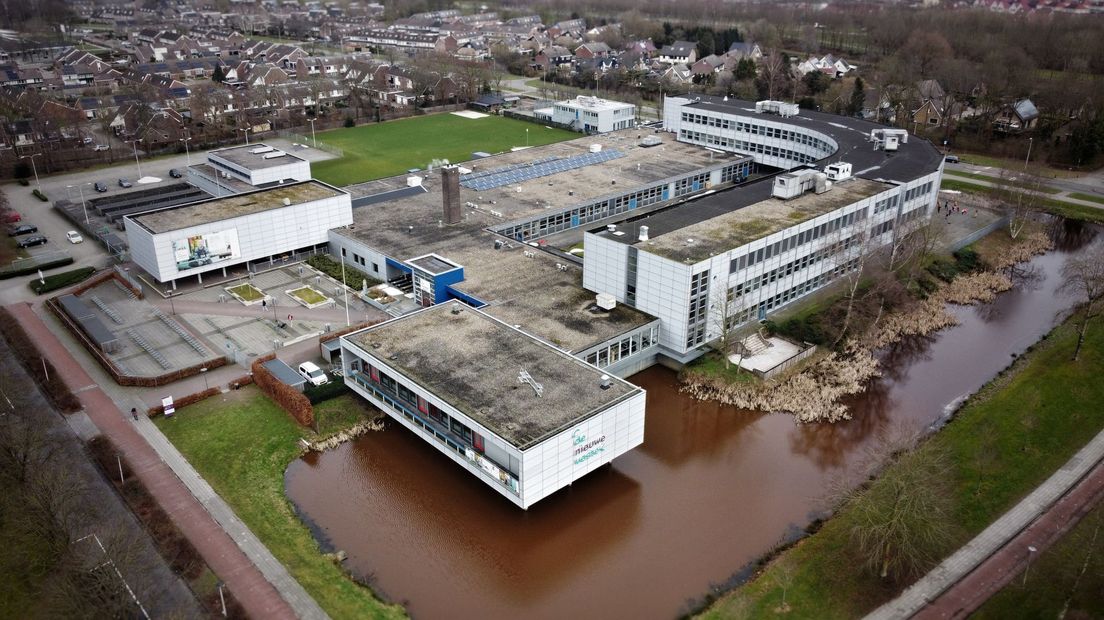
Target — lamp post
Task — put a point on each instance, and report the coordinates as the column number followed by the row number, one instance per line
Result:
column 206, row 386
column 134, row 143
column 526, row 137
column 1030, row 552
column 84, row 205
column 187, row 152
column 1030, row 141
column 246, row 131
column 313, row 137
column 171, row 303
column 34, row 168
column 344, row 286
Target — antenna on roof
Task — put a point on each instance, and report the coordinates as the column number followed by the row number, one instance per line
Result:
column 525, row 377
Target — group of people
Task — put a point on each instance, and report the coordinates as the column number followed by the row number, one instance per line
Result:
column 950, row 209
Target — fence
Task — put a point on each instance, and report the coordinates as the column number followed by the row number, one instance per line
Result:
column 22, row 265
column 521, row 116
column 782, row 366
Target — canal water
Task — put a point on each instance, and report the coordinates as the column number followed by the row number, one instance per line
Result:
column 711, row 489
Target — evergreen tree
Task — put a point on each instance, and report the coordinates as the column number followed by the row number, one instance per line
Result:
column 218, row 75
column 858, row 98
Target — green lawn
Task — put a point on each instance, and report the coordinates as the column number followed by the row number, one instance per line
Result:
column 999, row 181
column 391, row 148
column 1035, row 167
column 1008, row 438
column 1088, row 197
column 713, row 365
column 241, row 443
column 308, row 295
column 1051, row 205
column 1053, row 577
column 248, row 292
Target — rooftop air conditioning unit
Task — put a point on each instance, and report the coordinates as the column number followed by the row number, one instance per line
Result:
column 262, row 149
column 838, row 171
column 274, row 154
column 595, row 148
column 413, row 181
column 287, row 201
column 605, row 301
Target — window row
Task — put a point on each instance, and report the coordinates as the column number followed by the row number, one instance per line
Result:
column 755, row 129
column 792, row 267
column 794, row 241
column 744, row 146
column 886, row 203
column 742, row 316
column 627, row 346
column 919, row 190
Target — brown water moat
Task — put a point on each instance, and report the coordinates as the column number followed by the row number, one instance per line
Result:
column 711, row 489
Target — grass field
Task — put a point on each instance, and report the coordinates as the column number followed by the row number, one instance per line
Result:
column 308, row 295
column 1009, row 437
column 1088, row 197
column 998, row 181
column 248, row 292
column 241, row 443
column 1036, row 168
column 387, row 149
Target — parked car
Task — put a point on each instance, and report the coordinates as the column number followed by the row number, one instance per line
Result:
column 86, row 141
column 313, row 374
column 22, row 229
column 125, row 183
column 174, row 173
column 27, row 242
column 951, row 159
column 12, row 217
column 74, row 236
column 100, row 147
column 100, row 186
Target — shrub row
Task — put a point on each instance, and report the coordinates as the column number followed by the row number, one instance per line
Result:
column 24, row 182
column 26, row 271
column 174, row 547
column 318, row 393
column 965, row 260
column 290, row 399
column 327, row 265
column 184, row 401
column 241, row 381
column 38, row 194
column 61, row 280
column 337, row 333
column 44, row 373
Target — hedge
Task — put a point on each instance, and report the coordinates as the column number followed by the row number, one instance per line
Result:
column 60, row 280
column 40, row 368
column 38, row 194
column 318, row 393
column 26, row 271
column 290, row 399
column 24, row 182
column 327, row 265
column 184, row 401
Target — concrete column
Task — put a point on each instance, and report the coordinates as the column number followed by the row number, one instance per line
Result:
column 200, row 276
column 174, row 284
column 224, row 272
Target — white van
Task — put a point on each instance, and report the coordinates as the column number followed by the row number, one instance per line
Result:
column 313, row 374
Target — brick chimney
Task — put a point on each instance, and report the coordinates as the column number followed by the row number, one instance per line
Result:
column 450, row 190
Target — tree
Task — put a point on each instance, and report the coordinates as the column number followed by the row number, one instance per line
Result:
column 902, row 519
column 815, row 82
column 773, row 76
column 218, row 75
column 926, row 49
column 745, row 69
column 1084, row 276
column 858, row 98
column 1020, row 196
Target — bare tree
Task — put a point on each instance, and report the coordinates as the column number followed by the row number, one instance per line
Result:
column 1084, row 276
column 1020, row 196
column 783, row 574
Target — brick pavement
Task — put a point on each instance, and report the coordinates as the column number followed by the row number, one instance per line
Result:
column 1011, row 524
column 259, row 597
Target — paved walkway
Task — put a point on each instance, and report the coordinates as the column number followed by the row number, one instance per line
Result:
column 261, row 584
column 997, row 536
column 1063, row 194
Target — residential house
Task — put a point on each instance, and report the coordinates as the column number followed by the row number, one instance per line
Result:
column 680, row 52
column 596, row 49
column 1019, row 116
column 743, row 49
column 708, row 65
column 552, row 57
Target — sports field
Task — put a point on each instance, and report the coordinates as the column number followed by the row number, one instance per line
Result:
column 387, row 149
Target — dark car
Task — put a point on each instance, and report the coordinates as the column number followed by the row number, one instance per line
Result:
column 22, row 229
column 174, row 173
column 124, row 183
column 100, row 186
column 27, row 242
column 951, row 159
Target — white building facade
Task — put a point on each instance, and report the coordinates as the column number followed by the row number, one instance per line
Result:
column 594, row 115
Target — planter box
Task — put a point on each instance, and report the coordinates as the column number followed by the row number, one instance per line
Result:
column 308, row 296
column 247, row 294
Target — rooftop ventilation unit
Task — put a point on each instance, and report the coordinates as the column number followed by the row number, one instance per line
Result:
column 595, row 148
column 793, row 184
column 838, row 171
column 262, row 149
column 888, row 139
column 287, row 202
column 780, row 108
column 274, row 154
column 643, row 233
column 605, row 301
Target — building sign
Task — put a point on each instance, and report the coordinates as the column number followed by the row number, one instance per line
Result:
column 585, row 449
column 206, row 249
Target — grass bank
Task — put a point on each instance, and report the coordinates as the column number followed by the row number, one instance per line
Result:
column 999, row 181
column 241, row 443
column 1036, row 168
column 1087, row 197
column 391, row 148
column 1008, row 438
column 1055, row 577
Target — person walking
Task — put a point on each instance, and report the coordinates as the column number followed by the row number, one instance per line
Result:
column 134, row 413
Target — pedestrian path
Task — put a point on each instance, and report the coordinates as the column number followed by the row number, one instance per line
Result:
column 259, row 582
column 994, row 537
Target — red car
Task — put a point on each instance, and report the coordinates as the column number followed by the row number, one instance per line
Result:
column 11, row 217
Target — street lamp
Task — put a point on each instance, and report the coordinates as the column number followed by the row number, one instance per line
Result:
column 313, row 137
column 1030, row 552
column 187, row 153
column 34, row 168
column 171, row 303
column 206, row 386
column 246, row 131
column 1028, row 158
column 134, row 143
column 526, row 137
column 84, row 205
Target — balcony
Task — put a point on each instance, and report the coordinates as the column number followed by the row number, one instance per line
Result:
column 487, row 467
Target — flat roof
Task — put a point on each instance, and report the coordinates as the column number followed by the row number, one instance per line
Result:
column 432, row 264
column 245, row 157
column 700, row 240
column 472, row 361
column 594, row 103
column 238, row 205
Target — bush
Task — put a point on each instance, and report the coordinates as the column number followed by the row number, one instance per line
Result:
column 318, row 393
column 24, row 182
column 40, row 368
column 61, row 280
column 943, row 269
column 288, row 398
column 184, row 401
column 25, row 271
column 968, row 260
column 801, row 329
column 38, row 194
column 327, row 265
column 349, row 122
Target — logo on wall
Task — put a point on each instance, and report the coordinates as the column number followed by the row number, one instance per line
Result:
column 584, row 449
